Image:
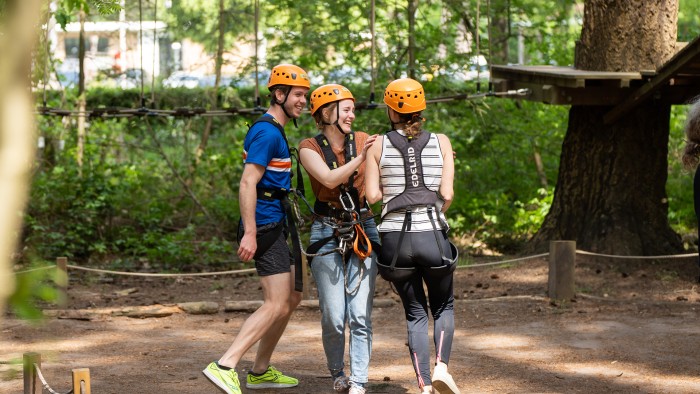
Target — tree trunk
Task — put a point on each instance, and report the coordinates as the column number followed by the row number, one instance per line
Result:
column 18, row 31
column 499, row 31
column 610, row 195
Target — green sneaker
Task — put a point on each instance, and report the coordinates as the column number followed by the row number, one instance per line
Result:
column 227, row 381
column 271, row 379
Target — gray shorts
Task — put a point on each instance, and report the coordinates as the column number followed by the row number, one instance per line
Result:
column 276, row 260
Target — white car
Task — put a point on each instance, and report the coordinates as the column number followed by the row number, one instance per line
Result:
column 182, row 79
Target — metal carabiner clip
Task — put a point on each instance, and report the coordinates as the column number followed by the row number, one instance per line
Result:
column 350, row 204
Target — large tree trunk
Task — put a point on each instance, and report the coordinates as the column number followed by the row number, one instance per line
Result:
column 18, row 29
column 610, row 195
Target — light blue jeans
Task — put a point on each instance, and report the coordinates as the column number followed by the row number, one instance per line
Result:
column 339, row 308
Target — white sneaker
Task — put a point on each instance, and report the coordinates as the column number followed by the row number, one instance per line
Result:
column 356, row 389
column 341, row 384
column 442, row 380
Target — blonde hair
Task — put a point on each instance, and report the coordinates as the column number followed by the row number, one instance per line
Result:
column 691, row 153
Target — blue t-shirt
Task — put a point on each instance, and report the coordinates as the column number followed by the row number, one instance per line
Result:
column 264, row 145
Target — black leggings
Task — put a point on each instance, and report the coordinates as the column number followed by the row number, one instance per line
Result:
column 420, row 250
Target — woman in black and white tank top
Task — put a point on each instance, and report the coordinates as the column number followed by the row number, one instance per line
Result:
column 412, row 172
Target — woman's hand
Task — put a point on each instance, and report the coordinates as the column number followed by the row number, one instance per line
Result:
column 368, row 144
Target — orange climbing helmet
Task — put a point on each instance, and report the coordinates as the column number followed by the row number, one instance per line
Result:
column 328, row 94
column 405, row 96
column 290, row 75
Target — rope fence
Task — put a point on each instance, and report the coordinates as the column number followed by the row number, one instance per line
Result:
column 32, row 370
column 562, row 257
column 45, row 384
column 252, row 270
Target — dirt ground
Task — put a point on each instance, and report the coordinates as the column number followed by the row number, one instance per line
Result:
column 633, row 328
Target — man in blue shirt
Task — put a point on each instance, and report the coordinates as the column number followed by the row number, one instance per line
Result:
column 266, row 177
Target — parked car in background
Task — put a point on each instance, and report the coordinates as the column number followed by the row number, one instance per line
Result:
column 248, row 80
column 348, row 75
column 207, row 81
column 478, row 68
column 182, row 79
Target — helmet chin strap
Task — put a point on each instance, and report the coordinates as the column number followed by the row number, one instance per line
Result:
column 336, row 124
column 284, row 109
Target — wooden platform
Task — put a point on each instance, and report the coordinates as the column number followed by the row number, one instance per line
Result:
column 566, row 85
column 676, row 82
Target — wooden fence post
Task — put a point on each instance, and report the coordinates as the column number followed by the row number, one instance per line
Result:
column 62, row 280
column 28, row 361
column 562, row 256
column 81, row 381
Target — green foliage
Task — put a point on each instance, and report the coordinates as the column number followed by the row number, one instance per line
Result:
column 679, row 186
column 131, row 205
column 66, row 9
column 34, row 287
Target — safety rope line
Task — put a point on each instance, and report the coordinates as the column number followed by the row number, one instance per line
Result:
column 339, row 250
column 151, row 274
column 677, row 256
column 143, row 100
column 48, row 267
column 373, row 71
column 46, row 385
column 112, row 112
column 155, row 46
column 504, row 261
column 164, row 275
column 47, row 55
column 258, row 102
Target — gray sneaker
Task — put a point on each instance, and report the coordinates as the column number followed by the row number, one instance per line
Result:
column 341, row 384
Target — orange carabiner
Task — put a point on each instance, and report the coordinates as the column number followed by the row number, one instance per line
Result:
column 361, row 242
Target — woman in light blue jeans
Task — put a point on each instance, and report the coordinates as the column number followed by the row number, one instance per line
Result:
column 344, row 270
column 340, row 305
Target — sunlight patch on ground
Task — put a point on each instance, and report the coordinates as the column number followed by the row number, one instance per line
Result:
column 633, row 374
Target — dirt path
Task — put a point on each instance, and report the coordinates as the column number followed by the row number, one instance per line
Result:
column 635, row 331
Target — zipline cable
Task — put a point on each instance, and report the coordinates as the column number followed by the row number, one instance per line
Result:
column 47, row 54
column 478, row 43
column 155, row 45
column 373, row 71
column 198, row 111
column 257, row 84
column 143, row 103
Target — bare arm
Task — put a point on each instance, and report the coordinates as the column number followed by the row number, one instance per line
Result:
column 448, row 171
column 247, row 200
column 316, row 166
column 373, row 191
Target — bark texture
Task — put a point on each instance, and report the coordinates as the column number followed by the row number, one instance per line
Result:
column 610, row 195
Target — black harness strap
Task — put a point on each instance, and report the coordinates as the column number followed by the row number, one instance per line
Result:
column 415, row 192
column 323, row 208
column 265, row 241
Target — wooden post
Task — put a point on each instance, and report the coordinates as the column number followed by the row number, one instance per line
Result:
column 81, row 381
column 562, row 255
column 28, row 361
column 62, row 280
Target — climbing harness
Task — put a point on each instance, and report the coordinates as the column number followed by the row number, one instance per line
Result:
column 346, row 221
column 415, row 195
column 267, row 239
